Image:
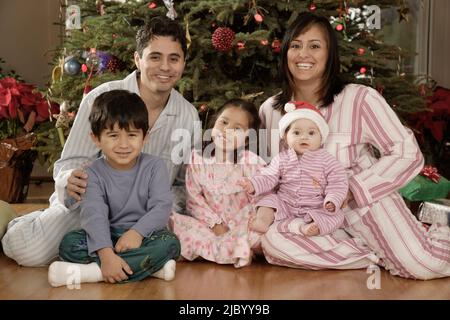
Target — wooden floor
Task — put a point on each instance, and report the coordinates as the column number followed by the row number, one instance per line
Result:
column 207, row 281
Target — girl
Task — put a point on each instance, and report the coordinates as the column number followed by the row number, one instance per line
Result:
column 218, row 228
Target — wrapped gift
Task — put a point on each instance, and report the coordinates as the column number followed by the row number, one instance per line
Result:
column 436, row 211
column 422, row 188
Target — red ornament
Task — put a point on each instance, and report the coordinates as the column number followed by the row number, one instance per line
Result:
column 362, row 70
column 84, row 68
column 240, row 45
column 361, row 51
column 115, row 64
column 203, row 108
column 114, row 36
column 152, row 5
column 222, row 39
column 339, row 27
column 264, row 42
column 258, row 18
column 276, row 46
column 312, row 7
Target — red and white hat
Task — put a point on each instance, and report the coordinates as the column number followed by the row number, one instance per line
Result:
column 302, row 110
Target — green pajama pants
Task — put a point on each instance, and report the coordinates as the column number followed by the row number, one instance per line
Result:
column 154, row 252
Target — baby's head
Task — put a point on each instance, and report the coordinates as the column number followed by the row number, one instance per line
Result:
column 303, row 127
column 119, row 125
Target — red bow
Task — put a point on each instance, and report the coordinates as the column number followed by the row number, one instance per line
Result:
column 431, row 173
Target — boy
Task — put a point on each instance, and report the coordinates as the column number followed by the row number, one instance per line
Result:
column 127, row 202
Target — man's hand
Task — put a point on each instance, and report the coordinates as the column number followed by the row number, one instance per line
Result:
column 330, row 206
column 246, row 185
column 113, row 267
column 129, row 240
column 220, row 229
column 76, row 184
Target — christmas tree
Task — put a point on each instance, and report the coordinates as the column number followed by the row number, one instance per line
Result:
column 234, row 48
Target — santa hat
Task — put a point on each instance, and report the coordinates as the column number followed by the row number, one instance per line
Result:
column 301, row 110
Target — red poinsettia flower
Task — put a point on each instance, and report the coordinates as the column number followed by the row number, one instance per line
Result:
column 21, row 102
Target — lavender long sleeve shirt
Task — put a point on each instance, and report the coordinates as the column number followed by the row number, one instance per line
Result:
column 139, row 199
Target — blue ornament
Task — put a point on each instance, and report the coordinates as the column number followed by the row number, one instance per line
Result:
column 72, row 66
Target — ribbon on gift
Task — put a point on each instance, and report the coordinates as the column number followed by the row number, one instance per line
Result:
column 431, row 173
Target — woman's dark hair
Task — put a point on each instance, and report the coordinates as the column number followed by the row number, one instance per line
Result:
column 253, row 118
column 332, row 83
column 160, row 27
column 118, row 106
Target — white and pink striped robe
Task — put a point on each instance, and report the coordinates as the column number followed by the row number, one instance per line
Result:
column 305, row 184
column 360, row 119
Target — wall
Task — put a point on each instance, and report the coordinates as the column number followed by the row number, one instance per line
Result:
column 27, row 36
column 439, row 50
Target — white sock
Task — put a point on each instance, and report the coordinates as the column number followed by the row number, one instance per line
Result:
column 167, row 272
column 62, row 273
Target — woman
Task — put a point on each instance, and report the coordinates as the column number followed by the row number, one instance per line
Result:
column 359, row 118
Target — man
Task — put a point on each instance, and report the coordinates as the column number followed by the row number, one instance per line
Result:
column 160, row 57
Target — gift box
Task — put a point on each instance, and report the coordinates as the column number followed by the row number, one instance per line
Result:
column 437, row 211
column 424, row 189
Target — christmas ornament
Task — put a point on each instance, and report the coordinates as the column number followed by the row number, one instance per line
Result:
column 115, row 64
column 73, row 17
column 203, row 108
column 339, row 27
column 361, row 51
column 171, row 14
column 264, row 42
column 240, row 45
column 72, row 66
column 84, row 68
column 104, row 59
column 222, row 39
column 403, row 12
column 362, row 70
column 276, row 46
column 312, row 6
column 258, row 18
column 92, row 60
column 152, row 5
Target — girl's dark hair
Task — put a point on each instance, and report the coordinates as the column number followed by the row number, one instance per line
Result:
column 332, row 83
column 253, row 118
column 160, row 27
column 118, row 106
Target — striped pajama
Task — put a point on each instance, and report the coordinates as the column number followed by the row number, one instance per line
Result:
column 305, row 184
column 33, row 240
column 377, row 219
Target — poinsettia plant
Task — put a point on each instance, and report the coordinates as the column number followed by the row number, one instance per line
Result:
column 22, row 108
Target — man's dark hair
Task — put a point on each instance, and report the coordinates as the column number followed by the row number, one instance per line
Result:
column 118, row 106
column 160, row 27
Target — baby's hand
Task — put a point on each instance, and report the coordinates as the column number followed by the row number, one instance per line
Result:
column 246, row 185
column 330, row 206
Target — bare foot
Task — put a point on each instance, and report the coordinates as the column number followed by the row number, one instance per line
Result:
column 310, row 229
column 258, row 225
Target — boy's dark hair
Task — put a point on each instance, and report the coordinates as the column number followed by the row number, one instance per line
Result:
column 332, row 84
column 160, row 27
column 118, row 106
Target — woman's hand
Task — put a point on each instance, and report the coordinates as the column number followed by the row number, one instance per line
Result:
column 114, row 268
column 348, row 199
column 129, row 240
column 220, row 229
column 76, row 184
column 246, row 185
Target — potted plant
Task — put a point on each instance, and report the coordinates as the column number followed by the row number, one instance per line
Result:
column 23, row 110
